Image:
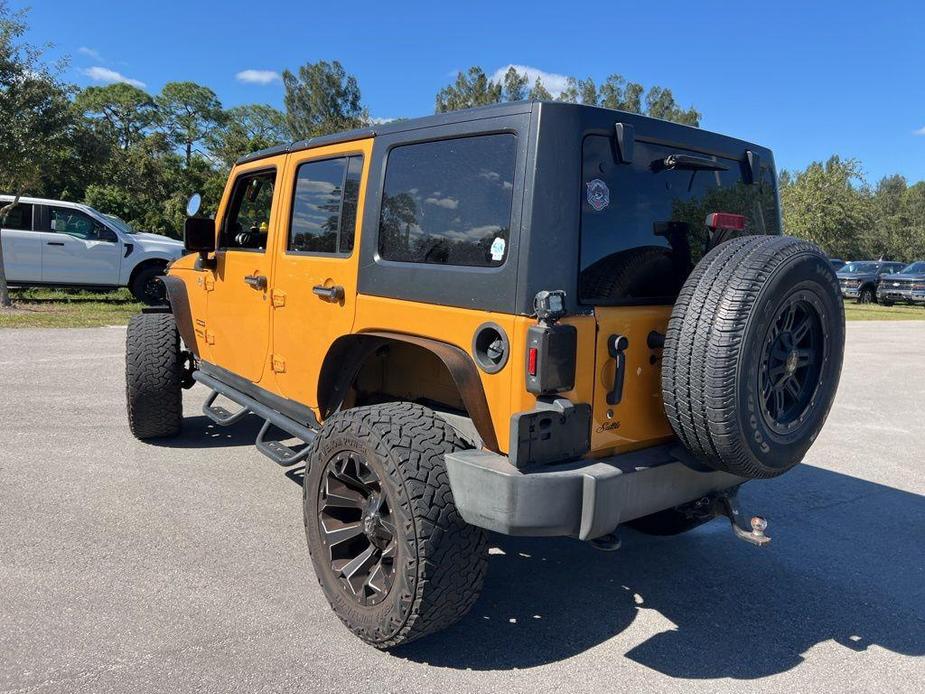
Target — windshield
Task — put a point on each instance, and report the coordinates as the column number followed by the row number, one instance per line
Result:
column 120, row 224
column 914, row 269
column 860, row 267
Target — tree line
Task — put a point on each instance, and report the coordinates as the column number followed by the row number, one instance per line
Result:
column 139, row 155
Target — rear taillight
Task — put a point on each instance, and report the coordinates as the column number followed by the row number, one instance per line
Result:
column 725, row 220
column 531, row 361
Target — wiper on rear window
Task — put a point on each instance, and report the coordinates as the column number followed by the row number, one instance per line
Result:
column 687, row 162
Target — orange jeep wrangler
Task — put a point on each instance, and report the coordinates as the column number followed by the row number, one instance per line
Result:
column 533, row 318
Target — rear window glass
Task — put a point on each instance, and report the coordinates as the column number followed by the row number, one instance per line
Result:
column 449, row 202
column 20, row 217
column 643, row 225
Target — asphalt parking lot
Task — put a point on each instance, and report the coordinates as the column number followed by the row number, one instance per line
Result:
column 128, row 567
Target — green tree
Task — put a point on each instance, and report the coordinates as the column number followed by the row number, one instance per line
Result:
column 471, row 88
column 121, row 111
column 660, row 103
column 35, row 118
column 188, row 113
column 321, row 99
column 619, row 94
column 515, row 85
column 246, row 129
column 829, row 204
column 538, row 92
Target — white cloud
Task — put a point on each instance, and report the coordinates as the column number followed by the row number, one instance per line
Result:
column 258, row 76
column 920, row 131
column 447, row 203
column 554, row 83
column 104, row 74
column 91, row 52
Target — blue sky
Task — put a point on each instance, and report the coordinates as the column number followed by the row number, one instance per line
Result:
column 805, row 79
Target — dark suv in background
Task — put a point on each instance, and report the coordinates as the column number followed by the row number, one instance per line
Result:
column 906, row 285
column 859, row 278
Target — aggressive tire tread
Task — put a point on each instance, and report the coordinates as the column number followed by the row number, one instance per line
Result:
column 153, row 371
column 449, row 556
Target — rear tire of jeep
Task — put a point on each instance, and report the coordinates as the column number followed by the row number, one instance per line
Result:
column 867, row 296
column 753, row 354
column 392, row 554
column 153, row 374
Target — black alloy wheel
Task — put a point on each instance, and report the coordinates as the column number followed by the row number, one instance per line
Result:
column 791, row 363
column 357, row 528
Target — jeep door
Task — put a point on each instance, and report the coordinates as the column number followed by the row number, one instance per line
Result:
column 78, row 248
column 22, row 247
column 314, row 283
column 238, row 306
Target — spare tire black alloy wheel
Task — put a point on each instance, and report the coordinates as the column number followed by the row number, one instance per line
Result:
column 792, row 361
column 357, row 528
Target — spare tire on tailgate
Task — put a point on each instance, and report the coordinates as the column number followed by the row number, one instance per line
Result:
column 753, row 354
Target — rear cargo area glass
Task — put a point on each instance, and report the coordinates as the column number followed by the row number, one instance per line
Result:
column 643, row 226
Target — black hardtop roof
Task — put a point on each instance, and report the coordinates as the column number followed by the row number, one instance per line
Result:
column 672, row 131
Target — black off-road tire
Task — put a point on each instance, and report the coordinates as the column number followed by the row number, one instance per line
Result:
column 440, row 563
column 867, row 296
column 153, row 374
column 147, row 287
column 724, row 332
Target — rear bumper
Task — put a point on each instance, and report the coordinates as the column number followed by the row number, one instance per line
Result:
column 583, row 499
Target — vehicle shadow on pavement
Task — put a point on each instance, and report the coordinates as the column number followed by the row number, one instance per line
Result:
column 845, row 565
column 201, row 432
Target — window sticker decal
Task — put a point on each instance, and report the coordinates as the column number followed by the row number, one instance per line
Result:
column 598, row 195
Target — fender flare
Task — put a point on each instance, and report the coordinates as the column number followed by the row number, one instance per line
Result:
column 349, row 352
column 179, row 306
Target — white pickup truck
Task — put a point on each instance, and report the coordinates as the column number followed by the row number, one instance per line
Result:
column 57, row 243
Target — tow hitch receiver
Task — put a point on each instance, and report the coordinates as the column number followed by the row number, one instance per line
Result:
column 728, row 505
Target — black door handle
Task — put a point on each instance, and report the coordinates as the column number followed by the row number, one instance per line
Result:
column 56, row 243
column 616, row 347
column 333, row 294
column 256, row 281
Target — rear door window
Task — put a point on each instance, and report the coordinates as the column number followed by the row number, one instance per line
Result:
column 643, row 225
column 449, row 202
column 19, row 218
column 324, row 206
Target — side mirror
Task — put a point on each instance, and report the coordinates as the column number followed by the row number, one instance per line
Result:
column 109, row 235
column 199, row 235
column 193, row 204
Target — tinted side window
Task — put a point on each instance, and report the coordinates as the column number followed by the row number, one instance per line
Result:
column 247, row 221
column 643, row 225
column 449, row 202
column 324, row 206
column 19, row 218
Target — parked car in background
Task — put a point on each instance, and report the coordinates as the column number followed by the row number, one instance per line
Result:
column 66, row 244
column 906, row 285
column 859, row 278
column 837, row 263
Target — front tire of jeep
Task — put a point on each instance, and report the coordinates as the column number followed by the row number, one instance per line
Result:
column 392, row 554
column 753, row 354
column 153, row 376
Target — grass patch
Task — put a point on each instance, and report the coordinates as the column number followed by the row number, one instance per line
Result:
column 68, row 308
column 855, row 311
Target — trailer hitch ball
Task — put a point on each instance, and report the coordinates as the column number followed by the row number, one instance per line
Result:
column 759, row 525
